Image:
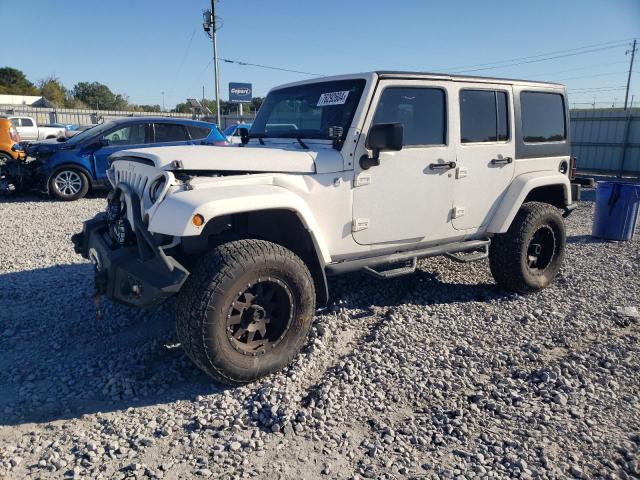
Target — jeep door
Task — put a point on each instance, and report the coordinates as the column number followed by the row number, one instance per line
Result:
column 485, row 152
column 408, row 196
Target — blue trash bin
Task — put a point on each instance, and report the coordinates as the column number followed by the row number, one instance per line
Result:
column 617, row 206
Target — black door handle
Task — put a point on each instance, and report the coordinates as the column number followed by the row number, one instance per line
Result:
column 502, row 161
column 442, row 166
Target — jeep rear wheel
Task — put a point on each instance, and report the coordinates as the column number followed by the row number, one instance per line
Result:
column 245, row 310
column 529, row 255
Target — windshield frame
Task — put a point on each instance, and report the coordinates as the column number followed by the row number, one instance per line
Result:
column 356, row 86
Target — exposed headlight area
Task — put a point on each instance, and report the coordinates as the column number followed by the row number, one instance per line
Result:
column 119, row 228
column 156, row 188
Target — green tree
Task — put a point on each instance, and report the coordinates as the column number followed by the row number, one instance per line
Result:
column 148, row 108
column 14, row 82
column 72, row 102
column 256, row 103
column 52, row 89
column 182, row 108
column 99, row 96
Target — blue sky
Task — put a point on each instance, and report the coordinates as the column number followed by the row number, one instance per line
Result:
column 143, row 47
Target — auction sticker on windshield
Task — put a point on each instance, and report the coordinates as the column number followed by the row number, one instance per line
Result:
column 333, row 98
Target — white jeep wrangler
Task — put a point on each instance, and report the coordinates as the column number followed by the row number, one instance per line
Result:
column 356, row 172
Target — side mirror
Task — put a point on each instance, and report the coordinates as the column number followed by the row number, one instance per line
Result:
column 244, row 135
column 381, row 137
column 103, row 142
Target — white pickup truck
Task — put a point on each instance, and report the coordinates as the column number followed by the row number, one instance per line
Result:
column 29, row 130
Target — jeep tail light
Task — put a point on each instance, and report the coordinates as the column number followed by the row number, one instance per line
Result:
column 573, row 167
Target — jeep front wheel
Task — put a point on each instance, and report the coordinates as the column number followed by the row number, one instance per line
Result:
column 245, row 310
column 529, row 255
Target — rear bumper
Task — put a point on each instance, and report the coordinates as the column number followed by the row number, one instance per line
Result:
column 139, row 275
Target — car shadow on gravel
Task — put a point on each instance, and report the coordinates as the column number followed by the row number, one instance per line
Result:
column 585, row 239
column 421, row 288
column 57, row 361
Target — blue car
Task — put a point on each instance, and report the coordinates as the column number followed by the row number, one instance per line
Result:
column 68, row 169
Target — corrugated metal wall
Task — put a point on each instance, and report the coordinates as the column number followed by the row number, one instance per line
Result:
column 606, row 141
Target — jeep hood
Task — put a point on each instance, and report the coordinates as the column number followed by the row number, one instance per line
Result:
column 210, row 158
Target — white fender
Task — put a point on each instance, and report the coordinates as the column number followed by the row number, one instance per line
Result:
column 174, row 215
column 518, row 191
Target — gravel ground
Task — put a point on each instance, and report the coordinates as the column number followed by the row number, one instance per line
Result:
column 436, row 375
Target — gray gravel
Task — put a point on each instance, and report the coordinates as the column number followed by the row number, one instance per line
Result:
column 436, row 375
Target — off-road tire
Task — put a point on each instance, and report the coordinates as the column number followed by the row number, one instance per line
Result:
column 4, row 158
column 212, row 288
column 69, row 194
column 509, row 252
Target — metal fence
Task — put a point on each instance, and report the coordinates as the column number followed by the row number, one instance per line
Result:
column 46, row 116
column 606, row 141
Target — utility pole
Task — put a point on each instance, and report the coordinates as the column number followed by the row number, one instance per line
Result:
column 633, row 54
column 162, row 101
column 211, row 27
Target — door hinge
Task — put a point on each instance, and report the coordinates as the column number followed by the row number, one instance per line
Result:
column 362, row 179
column 457, row 212
column 461, row 172
column 359, row 224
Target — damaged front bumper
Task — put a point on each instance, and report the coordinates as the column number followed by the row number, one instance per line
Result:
column 139, row 274
column 20, row 176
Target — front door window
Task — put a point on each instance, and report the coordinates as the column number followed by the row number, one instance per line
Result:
column 129, row 135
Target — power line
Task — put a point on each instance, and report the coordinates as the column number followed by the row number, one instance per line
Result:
column 238, row 62
column 582, row 68
column 590, row 76
column 585, row 91
column 518, row 59
column 184, row 57
column 198, row 77
column 542, row 59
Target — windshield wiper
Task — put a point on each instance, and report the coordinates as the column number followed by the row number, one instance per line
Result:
column 302, row 144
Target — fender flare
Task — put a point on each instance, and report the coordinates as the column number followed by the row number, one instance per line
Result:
column 173, row 216
column 517, row 192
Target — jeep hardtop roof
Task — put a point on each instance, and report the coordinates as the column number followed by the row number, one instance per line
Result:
column 391, row 74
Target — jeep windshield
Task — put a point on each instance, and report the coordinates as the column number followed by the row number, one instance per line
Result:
column 308, row 111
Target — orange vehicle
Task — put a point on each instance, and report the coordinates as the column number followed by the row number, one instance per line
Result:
column 9, row 142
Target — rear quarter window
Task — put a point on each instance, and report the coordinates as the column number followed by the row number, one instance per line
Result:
column 198, row 133
column 543, row 117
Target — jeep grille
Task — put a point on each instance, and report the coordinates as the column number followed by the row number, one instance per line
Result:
column 136, row 181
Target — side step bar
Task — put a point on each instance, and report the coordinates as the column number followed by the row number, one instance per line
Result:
column 394, row 272
column 369, row 263
column 471, row 257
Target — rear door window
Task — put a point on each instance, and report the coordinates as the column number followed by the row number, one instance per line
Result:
column 170, row 132
column 27, row 122
column 543, row 117
column 198, row 133
column 484, row 116
column 421, row 111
